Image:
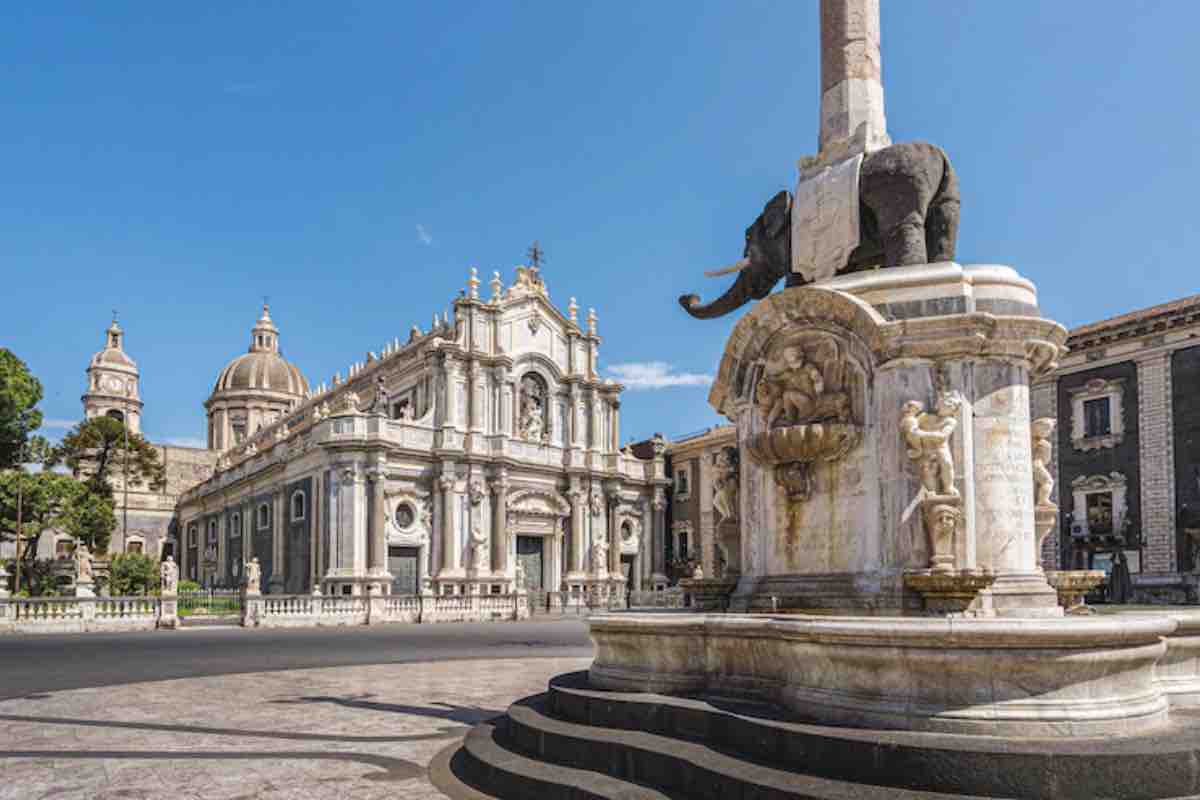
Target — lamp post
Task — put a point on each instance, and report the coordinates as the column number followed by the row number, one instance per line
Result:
column 125, row 475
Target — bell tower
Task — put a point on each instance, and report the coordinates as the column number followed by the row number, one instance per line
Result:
column 112, row 382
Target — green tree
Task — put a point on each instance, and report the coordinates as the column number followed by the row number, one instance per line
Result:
column 132, row 573
column 89, row 518
column 100, row 448
column 46, row 500
column 20, row 392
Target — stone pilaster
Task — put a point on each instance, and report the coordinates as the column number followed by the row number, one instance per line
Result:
column 222, row 545
column 1157, row 461
column 613, row 493
column 658, row 539
column 477, row 402
column 1043, row 402
column 277, row 581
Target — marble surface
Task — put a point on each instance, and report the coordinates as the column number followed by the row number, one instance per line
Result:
column 345, row 732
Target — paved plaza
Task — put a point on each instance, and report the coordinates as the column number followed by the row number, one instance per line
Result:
column 354, row 731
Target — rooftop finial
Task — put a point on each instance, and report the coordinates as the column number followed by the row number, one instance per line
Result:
column 473, row 284
column 573, row 311
column 592, row 321
column 497, row 286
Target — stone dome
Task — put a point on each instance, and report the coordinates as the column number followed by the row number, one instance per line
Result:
column 262, row 370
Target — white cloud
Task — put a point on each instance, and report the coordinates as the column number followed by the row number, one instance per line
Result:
column 58, row 424
column 655, row 375
column 187, row 441
column 425, row 237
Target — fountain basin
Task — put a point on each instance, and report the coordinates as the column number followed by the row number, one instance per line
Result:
column 1075, row 677
column 804, row 443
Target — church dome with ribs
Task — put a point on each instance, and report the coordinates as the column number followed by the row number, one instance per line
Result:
column 253, row 390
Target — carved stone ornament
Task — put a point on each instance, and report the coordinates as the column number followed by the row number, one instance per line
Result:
column 480, row 556
column 927, row 437
column 476, row 492
column 535, row 323
column 596, row 504
column 538, row 503
column 528, row 282
column 83, row 564
column 531, row 423
column 725, row 484
column 809, row 396
column 1043, row 452
column 350, row 402
column 253, row 576
column 168, row 574
column 600, row 555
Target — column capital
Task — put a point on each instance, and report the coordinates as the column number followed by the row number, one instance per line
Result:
column 446, row 482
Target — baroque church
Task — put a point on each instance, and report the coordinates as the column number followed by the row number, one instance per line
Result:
column 472, row 456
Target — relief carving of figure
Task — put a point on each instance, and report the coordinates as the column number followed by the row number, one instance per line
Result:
column 168, row 576
column 83, row 564
column 600, row 554
column 1043, row 451
column 350, row 401
column 928, row 439
column 532, row 422
column 806, row 385
column 253, row 576
column 596, row 503
column 725, row 484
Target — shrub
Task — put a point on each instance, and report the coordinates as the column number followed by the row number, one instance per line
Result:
column 188, row 587
column 132, row 573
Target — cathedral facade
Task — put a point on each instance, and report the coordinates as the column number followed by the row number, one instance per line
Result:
column 480, row 453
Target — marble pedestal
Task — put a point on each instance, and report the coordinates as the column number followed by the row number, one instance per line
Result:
column 884, row 422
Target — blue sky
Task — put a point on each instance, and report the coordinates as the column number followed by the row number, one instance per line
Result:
column 352, row 160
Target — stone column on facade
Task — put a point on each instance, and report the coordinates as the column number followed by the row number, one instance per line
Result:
column 278, row 569
column 595, row 442
column 477, row 402
column 616, row 426
column 377, row 546
column 503, row 401
column 658, row 552
column 575, row 543
column 1156, row 460
column 315, row 531
column 499, row 486
column 451, row 562
column 613, row 493
column 222, row 546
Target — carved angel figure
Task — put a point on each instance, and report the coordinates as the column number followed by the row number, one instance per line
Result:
column 596, row 503
column 1043, row 451
column 168, row 576
column 800, row 389
column 928, row 439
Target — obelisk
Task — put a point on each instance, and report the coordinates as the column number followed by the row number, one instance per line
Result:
column 852, row 118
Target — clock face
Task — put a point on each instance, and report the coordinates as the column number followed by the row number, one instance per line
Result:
column 114, row 384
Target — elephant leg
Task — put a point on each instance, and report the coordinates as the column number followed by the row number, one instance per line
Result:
column 941, row 224
column 903, row 240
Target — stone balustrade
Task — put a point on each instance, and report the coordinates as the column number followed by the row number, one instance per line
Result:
column 282, row 611
column 86, row 614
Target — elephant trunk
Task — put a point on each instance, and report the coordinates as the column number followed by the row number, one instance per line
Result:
column 735, row 297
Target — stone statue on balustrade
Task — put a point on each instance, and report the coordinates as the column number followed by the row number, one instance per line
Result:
column 253, row 577
column 168, row 576
column 83, row 564
column 600, row 555
column 480, row 558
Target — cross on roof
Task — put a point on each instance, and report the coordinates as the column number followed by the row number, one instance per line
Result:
column 536, row 256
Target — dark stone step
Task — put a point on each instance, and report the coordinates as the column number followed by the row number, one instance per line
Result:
column 486, row 763
column 1165, row 764
column 679, row 768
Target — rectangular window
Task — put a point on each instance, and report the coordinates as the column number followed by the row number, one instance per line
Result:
column 1096, row 419
column 1099, row 512
column 133, row 547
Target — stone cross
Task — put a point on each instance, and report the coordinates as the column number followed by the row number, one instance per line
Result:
column 852, row 119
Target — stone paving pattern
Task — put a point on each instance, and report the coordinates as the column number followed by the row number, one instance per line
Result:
column 358, row 732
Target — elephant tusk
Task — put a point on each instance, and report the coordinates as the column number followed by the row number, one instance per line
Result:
column 735, row 267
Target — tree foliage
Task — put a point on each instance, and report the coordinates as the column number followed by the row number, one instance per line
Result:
column 45, row 499
column 97, row 451
column 132, row 573
column 20, row 392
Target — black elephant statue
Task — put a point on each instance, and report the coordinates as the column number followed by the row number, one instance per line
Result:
column 908, row 214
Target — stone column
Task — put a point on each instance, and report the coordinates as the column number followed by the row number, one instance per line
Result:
column 222, row 546
column 451, row 563
column 658, row 539
column 852, row 117
column 616, row 426
column 477, row 398
column 614, row 531
column 377, row 546
column 277, row 582
column 499, row 487
column 1156, row 458
column 314, row 527
column 575, row 545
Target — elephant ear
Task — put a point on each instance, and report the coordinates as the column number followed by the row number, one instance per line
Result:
column 778, row 214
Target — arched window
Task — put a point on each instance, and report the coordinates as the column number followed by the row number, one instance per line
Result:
column 297, row 505
column 135, row 546
column 264, row 515
column 212, row 531
column 406, row 515
column 235, row 525
column 114, row 414
column 192, row 536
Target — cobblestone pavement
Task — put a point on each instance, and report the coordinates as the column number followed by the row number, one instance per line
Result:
column 358, row 732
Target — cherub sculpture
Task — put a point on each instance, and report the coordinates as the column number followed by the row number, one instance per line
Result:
column 928, row 439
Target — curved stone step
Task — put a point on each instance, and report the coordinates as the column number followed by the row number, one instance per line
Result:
column 1165, row 764
column 490, row 766
column 679, row 768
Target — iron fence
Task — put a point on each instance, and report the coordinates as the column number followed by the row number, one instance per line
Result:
column 210, row 602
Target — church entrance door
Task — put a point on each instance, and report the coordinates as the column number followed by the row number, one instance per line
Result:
column 529, row 556
column 402, row 563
